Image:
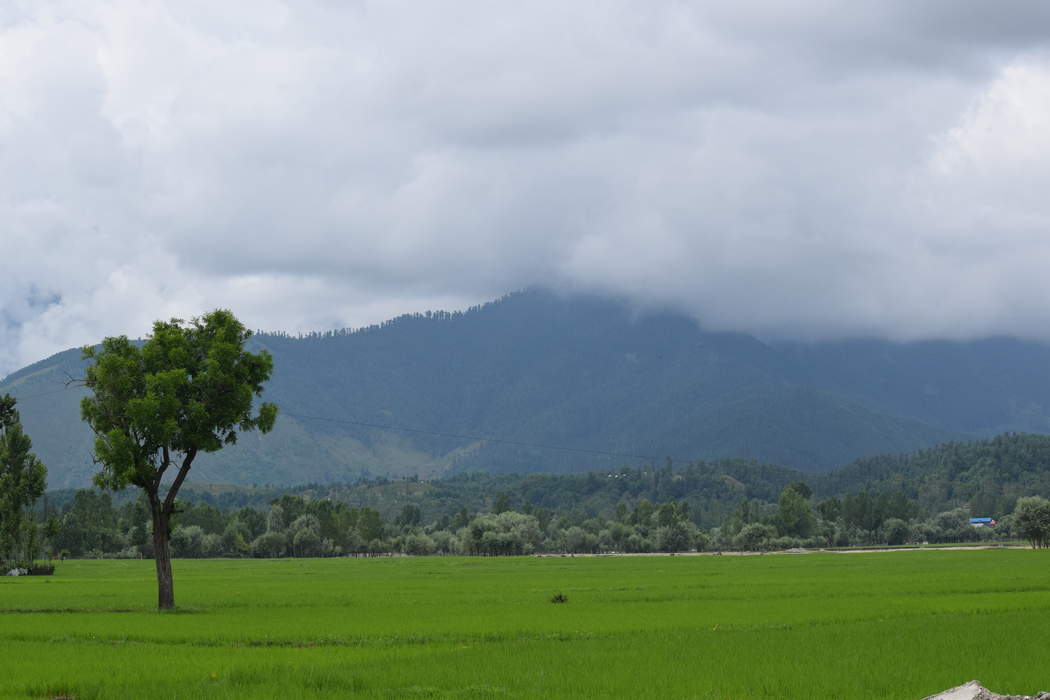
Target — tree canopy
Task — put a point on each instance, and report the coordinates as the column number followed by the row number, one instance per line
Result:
column 1032, row 520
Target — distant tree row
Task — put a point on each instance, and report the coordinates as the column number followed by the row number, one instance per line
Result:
column 90, row 524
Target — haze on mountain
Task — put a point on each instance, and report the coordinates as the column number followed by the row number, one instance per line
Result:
column 812, row 170
column 539, row 371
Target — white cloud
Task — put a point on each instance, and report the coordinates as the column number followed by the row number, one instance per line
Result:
column 829, row 169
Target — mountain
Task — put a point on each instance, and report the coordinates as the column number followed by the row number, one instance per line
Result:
column 589, row 376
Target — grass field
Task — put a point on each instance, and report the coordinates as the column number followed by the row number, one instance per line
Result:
column 880, row 625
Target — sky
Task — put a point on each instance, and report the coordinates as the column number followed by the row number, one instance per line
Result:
column 805, row 170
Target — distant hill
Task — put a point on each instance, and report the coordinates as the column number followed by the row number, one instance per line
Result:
column 581, row 373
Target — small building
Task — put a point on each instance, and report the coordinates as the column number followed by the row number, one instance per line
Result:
column 982, row 522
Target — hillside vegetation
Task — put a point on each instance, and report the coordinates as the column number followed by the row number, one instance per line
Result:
column 582, row 373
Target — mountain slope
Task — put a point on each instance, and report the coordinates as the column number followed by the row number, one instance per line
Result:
column 581, row 373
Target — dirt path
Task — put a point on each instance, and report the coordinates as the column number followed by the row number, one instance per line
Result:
column 870, row 550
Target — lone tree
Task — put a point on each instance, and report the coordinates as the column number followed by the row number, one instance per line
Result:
column 22, row 481
column 188, row 389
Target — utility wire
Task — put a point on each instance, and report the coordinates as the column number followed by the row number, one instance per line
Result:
column 460, row 436
column 44, row 393
column 438, row 433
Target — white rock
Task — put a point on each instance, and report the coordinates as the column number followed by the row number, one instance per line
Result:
column 975, row 691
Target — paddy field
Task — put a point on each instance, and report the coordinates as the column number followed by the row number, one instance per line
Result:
column 879, row 625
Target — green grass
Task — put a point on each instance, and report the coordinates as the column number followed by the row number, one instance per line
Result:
column 889, row 625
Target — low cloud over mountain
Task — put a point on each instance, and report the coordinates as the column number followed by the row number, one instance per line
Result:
column 822, row 170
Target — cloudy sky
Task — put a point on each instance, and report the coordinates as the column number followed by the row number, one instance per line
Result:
column 806, row 169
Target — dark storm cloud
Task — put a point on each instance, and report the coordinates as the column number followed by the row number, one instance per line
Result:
column 806, row 169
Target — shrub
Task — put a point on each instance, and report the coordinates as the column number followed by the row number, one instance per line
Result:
column 676, row 537
column 895, row 531
column 755, row 537
column 270, row 544
column 576, row 539
column 211, row 545
column 418, row 544
column 187, row 541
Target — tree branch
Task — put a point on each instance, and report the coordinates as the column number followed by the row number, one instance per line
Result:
column 74, row 381
column 163, row 468
column 187, row 461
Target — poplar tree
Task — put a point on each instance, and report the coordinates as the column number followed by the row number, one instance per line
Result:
column 22, row 481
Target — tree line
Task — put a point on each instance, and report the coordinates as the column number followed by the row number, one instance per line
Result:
column 91, row 524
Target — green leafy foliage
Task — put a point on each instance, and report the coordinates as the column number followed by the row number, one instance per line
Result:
column 1032, row 520
column 22, row 481
column 989, row 475
column 707, row 505
column 795, row 516
column 188, row 389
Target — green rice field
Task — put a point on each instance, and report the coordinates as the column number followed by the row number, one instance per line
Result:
column 875, row 625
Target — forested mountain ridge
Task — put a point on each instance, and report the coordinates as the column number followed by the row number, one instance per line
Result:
column 582, row 373
column 987, row 475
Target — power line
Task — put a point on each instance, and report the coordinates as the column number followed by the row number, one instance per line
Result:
column 460, row 436
column 438, row 433
column 44, row 393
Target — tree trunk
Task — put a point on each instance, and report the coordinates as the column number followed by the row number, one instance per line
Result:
column 162, row 558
